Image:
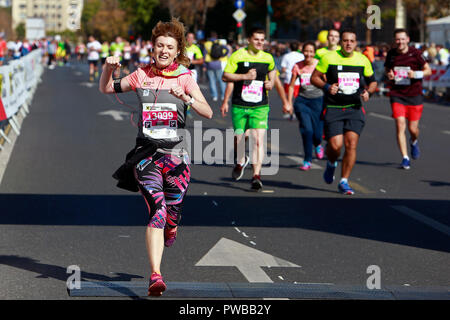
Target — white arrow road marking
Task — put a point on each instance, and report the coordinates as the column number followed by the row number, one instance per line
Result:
column 299, row 160
column 228, row 253
column 424, row 219
column 116, row 114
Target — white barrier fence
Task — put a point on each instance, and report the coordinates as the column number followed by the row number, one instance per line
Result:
column 440, row 77
column 18, row 82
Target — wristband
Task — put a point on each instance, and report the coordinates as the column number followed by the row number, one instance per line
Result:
column 190, row 102
column 117, row 86
column 418, row 74
column 326, row 86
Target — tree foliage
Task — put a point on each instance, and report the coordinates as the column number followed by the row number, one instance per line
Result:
column 5, row 22
column 310, row 11
column 139, row 12
column 104, row 19
column 20, row 31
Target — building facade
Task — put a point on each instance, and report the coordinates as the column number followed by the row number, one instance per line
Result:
column 59, row 15
column 5, row 3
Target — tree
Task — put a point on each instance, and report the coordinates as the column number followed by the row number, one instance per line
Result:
column 20, row 31
column 309, row 11
column 90, row 9
column 104, row 19
column 5, row 22
column 191, row 12
column 420, row 11
column 139, row 13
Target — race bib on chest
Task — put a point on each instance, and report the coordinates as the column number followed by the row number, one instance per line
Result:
column 159, row 120
column 252, row 91
column 305, row 81
column 348, row 82
column 401, row 76
column 127, row 56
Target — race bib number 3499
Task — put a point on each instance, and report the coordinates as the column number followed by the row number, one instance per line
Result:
column 159, row 120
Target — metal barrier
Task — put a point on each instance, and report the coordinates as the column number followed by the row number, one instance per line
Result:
column 18, row 82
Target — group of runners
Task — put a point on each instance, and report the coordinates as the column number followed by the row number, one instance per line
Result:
column 130, row 54
column 326, row 89
column 333, row 84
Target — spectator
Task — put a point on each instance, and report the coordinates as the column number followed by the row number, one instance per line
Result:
column 3, row 48
column 214, row 67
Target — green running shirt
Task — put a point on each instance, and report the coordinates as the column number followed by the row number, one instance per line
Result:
column 350, row 73
column 323, row 51
column 193, row 52
column 250, row 94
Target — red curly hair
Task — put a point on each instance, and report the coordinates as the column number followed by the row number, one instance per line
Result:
column 174, row 29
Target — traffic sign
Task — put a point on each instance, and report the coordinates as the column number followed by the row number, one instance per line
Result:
column 239, row 15
column 239, row 4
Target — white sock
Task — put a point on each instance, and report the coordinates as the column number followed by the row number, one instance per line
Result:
column 343, row 180
column 414, row 142
column 406, row 157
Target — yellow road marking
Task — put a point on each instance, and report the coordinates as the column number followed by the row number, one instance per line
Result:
column 360, row 188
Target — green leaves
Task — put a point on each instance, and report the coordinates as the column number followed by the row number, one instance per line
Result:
column 139, row 11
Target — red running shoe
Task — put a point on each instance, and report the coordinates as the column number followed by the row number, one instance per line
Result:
column 156, row 285
column 170, row 235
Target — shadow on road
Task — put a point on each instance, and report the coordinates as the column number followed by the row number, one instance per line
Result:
column 374, row 219
column 437, row 183
column 59, row 273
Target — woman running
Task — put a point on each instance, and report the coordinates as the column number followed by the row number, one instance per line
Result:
column 160, row 164
column 308, row 105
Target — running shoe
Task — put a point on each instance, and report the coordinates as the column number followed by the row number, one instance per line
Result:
column 415, row 151
column 328, row 175
column 344, row 188
column 238, row 170
column 306, row 166
column 156, row 285
column 170, row 235
column 319, row 152
column 256, row 183
column 406, row 163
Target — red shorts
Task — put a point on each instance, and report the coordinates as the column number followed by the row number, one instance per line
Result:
column 412, row 113
column 296, row 89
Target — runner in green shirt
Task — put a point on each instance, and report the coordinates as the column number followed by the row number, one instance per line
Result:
column 195, row 54
column 253, row 73
column 333, row 44
column 344, row 117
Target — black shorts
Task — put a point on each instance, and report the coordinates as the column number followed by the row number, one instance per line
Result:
column 94, row 62
column 340, row 120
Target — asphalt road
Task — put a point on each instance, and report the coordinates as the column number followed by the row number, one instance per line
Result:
column 60, row 206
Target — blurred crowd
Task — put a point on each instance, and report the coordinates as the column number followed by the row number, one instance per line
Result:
column 11, row 50
column 208, row 68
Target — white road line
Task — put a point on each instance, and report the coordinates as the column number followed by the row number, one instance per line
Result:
column 299, row 160
column 381, row 116
column 424, row 219
column 446, row 132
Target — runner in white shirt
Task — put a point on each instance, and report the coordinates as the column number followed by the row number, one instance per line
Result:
column 288, row 61
column 94, row 48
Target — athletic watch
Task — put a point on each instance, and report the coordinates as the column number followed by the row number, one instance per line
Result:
column 190, row 102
